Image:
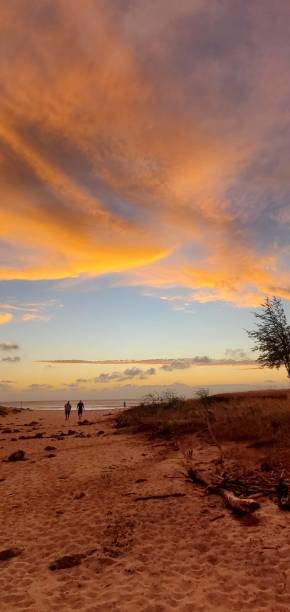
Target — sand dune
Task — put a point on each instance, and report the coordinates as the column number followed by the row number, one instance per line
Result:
column 176, row 554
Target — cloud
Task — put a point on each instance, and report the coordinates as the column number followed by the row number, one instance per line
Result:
column 35, row 311
column 238, row 354
column 232, row 357
column 127, row 374
column 30, row 316
column 184, row 364
column 6, row 385
column 5, row 317
column 8, row 346
column 11, row 359
column 39, row 387
column 102, row 361
column 149, row 139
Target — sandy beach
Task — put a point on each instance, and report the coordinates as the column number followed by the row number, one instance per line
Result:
column 81, row 497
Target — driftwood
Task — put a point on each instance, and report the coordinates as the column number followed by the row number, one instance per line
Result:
column 240, row 505
column 161, row 496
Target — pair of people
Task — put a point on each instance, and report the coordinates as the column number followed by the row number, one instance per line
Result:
column 80, row 409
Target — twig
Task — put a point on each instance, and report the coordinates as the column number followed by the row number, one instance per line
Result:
column 215, row 518
column 213, row 436
column 161, row 496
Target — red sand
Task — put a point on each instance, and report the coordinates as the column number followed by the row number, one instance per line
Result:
column 151, row 556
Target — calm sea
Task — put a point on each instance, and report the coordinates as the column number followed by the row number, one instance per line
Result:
column 59, row 405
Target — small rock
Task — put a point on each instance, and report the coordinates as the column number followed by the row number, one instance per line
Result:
column 71, row 432
column 50, row 455
column 17, row 456
column 80, row 495
column 275, row 424
column 9, row 553
column 66, row 562
column 50, row 448
column 7, row 430
column 38, row 435
column 100, row 433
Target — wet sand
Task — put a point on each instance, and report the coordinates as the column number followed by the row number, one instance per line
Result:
column 185, row 554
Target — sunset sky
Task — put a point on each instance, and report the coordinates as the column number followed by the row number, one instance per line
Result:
column 145, row 192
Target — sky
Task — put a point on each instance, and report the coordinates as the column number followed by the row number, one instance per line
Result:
column 145, row 193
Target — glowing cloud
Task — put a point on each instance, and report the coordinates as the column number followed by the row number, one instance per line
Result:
column 5, row 317
column 149, row 139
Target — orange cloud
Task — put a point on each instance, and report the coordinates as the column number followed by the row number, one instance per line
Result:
column 5, row 317
column 144, row 139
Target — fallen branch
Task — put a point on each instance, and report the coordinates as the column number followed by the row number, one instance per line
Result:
column 161, row 496
column 215, row 518
column 238, row 504
column 241, row 505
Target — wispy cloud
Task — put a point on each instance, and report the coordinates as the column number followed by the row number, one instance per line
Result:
column 34, row 311
column 232, row 357
column 30, row 316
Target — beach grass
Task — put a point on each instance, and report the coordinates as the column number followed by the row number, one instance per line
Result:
column 233, row 416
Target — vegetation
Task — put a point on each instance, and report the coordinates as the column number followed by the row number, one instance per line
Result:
column 272, row 335
column 237, row 416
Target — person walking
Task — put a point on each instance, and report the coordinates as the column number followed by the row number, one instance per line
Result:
column 67, row 410
column 80, row 409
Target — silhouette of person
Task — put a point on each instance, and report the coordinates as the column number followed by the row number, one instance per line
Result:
column 67, row 410
column 80, row 408
column 124, row 404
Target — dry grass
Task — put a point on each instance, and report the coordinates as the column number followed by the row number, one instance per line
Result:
column 258, row 415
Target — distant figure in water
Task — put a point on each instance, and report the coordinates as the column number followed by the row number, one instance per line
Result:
column 67, row 410
column 124, row 404
column 80, row 408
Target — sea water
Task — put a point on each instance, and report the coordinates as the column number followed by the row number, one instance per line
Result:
column 106, row 404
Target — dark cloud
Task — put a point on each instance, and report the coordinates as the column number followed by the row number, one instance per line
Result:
column 39, row 387
column 127, row 374
column 183, row 364
column 8, row 346
column 236, row 354
column 233, row 356
column 11, row 359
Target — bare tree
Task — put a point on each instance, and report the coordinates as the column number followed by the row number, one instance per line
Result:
column 272, row 335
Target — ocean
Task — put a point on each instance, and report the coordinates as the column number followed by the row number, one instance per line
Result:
column 106, row 404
